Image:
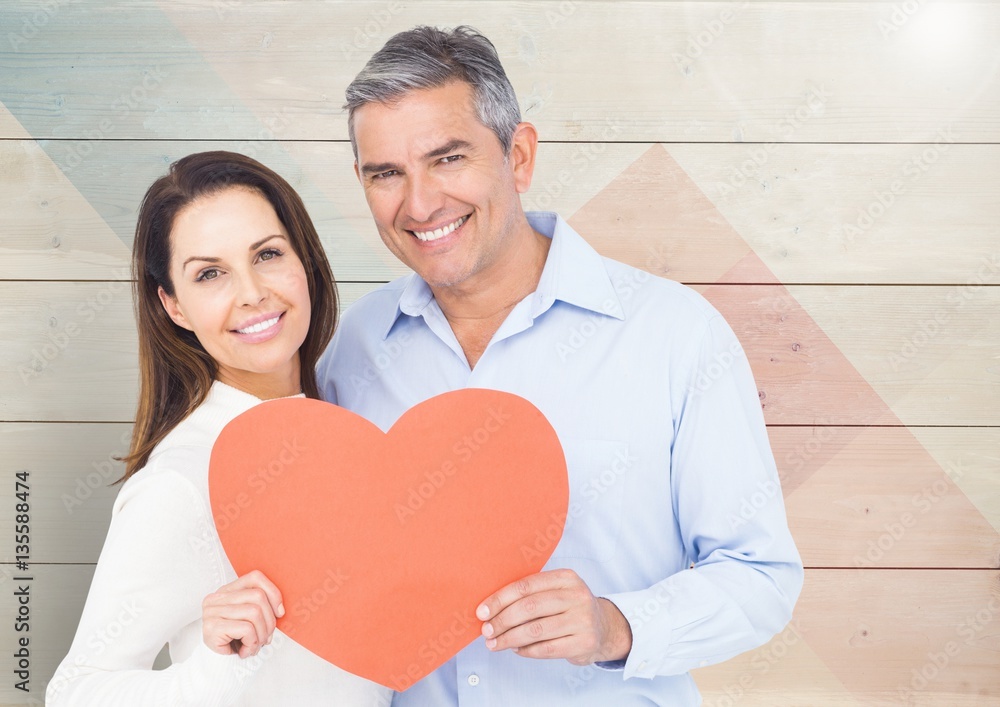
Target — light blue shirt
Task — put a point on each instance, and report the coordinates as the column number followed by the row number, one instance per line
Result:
column 676, row 513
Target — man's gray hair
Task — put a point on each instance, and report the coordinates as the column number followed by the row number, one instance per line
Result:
column 429, row 57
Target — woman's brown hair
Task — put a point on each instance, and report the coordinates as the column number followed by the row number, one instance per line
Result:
column 175, row 371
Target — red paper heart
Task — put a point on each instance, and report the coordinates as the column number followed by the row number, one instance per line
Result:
column 383, row 545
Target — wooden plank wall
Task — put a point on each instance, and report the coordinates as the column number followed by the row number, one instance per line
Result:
column 826, row 173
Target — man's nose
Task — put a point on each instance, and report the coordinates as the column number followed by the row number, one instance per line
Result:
column 423, row 197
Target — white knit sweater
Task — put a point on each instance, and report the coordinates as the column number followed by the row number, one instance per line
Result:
column 161, row 558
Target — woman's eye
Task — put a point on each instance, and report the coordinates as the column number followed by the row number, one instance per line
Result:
column 209, row 274
column 270, row 254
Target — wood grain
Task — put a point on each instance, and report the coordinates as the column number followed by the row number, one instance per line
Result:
column 855, row 497
column 878, row 497
column 806, row 212
column 671, row 71
column 825, row 172
column 846, row 622
column 875, row 637
column 820, row 354
column 71, row 470
column 57, row 594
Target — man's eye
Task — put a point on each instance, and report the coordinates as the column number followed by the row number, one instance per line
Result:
column 451, row 158
column 385, row 175
column 208, row 274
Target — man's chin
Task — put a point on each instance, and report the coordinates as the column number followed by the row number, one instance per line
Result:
column 444, row 280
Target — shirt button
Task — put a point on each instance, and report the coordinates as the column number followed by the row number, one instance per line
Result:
column 473, row 679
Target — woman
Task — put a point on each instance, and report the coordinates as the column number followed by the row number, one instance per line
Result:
column 234, row 303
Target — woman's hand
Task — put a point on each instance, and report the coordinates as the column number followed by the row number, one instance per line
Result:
column 240, row 616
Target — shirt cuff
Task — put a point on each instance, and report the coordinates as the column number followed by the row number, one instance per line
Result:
column 620, row 601
column 610, row 665
column 640, row 662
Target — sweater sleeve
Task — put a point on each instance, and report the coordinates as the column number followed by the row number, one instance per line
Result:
column 161, row 558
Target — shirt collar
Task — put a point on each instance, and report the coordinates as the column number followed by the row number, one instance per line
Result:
column 574, row 273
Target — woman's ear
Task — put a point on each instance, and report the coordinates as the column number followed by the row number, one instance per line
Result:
column 173, row 311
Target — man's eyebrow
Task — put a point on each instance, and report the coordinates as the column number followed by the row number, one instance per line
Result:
column 448, row 147
column 369, row 168
column 456, row 144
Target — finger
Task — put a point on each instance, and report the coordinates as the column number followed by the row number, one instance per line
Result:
column 566, row 647
column 227, row 636
column 241, row 623
column 539, row 630
column 257, row 579
column 532, row 584
column 248, row 605
column 525, row 610
column 223, row 605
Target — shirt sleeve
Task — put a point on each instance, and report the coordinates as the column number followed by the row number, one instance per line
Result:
column 746, row 574
column 325, row 369
column 159, row 561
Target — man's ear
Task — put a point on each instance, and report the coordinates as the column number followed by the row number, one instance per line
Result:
column 522, row 155
column 357, row 172
column 173, row 311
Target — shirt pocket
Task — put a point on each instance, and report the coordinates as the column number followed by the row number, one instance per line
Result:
column 598, row 474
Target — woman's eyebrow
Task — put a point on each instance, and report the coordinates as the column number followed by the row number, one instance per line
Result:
column 253, row 246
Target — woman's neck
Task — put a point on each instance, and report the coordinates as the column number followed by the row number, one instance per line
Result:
column 266, row 386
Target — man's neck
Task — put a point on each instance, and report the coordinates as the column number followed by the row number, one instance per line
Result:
column 476, row 309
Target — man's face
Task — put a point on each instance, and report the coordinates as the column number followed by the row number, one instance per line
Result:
column 444, row 199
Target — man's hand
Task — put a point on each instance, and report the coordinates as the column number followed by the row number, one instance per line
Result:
column 554, row 615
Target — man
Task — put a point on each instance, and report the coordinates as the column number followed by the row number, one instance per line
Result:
column 676, row 553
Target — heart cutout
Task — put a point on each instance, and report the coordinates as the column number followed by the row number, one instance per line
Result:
column 383, row 544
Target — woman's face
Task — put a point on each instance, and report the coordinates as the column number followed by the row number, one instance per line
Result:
column 242, row 290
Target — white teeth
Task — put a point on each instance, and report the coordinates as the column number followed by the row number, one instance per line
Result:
column 443, row 231
column 259, row 326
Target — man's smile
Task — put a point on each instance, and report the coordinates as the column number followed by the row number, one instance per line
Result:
column 427, row 236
